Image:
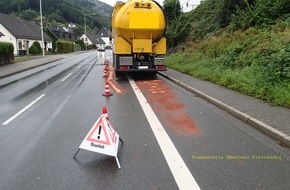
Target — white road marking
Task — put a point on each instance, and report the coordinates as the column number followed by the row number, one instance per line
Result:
column 66, row 77
column 181, row 173
column 23, row 110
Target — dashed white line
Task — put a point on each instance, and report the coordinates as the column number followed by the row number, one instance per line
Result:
column 181, row 173
column 23, row 110
column 66, row 77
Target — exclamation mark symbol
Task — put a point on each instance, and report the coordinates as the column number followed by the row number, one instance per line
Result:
column 100, row 129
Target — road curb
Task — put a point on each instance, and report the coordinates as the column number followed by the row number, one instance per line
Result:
column 266, row 129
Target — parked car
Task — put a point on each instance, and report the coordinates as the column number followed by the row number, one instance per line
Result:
column 108, row 47
column 101, row 48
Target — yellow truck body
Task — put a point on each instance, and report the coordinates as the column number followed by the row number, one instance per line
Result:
column 138, row 28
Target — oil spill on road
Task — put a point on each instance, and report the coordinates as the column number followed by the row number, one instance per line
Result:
column 111, row 79
column 168, row 108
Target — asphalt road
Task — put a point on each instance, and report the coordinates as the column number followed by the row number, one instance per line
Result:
column 172, row 139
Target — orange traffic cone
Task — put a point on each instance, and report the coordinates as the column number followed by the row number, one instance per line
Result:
column 106, row 67
column 105, row 73
column 107, row 90
column 105, row 113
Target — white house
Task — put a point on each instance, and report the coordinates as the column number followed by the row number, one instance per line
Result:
column 105, row 34
column 21, row 33
column 188, row 5
column 93, row 39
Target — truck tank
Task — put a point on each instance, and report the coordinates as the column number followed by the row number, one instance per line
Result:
column 138, row 28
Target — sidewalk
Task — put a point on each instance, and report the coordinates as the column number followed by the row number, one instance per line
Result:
column 273, row 121
column 7, row 70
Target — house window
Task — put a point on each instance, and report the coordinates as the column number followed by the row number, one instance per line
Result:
column 102, row 34
column 63, row 36
column 69, row 36
column 19, row 44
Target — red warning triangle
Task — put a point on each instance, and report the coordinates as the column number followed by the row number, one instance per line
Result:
column 99, row 133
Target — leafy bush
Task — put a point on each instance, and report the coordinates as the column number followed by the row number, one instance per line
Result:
column 260, row 14
column 64, row 47
column 241, row 44
column 255, row 62
column 6, row 53
column 37, row 45
column 77, row 47
column 6, row 47
column 212, row 16
column 81, row 43
column 28, row 14
column 33, row 50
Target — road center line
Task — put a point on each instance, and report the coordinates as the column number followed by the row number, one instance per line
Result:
column 66, row 77
column 23, row 110
column 180, row 172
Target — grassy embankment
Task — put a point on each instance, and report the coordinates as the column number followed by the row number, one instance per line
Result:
column 254, row 62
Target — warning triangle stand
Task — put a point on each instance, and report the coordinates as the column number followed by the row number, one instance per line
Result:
column 102, row 138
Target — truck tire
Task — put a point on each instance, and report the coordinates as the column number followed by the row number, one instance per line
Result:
column 118, row 74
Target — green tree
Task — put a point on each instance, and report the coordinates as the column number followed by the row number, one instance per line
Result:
column 8, row 6
column 56, row 17
column 172, row 10
column 33, row 4
column 21, row 5
column 79, row 30
column 81, row 43
column 229, row 7
column 28, row 14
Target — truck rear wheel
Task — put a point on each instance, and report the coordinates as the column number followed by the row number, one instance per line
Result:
column 117, row 74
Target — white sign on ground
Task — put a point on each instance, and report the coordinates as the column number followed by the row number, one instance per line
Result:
column 102, row 138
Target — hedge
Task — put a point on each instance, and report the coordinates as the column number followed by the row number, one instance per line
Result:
column 6, row 47
column 64, row 47
column 6, row 53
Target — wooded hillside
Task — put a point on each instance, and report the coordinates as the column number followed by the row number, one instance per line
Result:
column 60, row 11
column 241, row 44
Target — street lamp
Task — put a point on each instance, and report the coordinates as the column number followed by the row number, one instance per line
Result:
column 86, row 27
column 42, row 41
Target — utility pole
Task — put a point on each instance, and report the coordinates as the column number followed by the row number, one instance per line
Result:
column 41, row 23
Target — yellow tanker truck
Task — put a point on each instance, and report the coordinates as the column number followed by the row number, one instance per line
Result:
column 138, row 28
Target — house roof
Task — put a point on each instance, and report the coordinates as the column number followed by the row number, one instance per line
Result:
column 95, row 39
column 56, row 28
column 22, row 29
column 104, row 32
column 58, row 31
